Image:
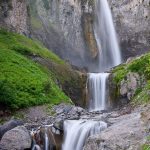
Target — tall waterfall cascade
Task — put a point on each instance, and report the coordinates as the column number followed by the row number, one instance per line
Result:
column 77, row 131
column 105, row 34
column 109, row 55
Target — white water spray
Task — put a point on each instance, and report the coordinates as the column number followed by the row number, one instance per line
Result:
column 77, row 131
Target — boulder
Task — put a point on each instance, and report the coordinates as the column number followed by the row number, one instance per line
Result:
column 53, row 135
column 126, row 133
column 9, row 125
column 16, row 139
column 130, row 84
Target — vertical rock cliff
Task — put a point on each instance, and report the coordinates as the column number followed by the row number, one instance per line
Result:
column 14, row 16
column 66, row 26
column 132, row 20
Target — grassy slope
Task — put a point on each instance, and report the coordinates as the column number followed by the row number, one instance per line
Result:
column 141, row 66
column 23, row 82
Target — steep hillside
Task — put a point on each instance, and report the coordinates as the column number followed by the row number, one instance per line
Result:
column 31, row 75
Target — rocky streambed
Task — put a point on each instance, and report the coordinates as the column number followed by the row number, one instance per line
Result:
column 127, row 128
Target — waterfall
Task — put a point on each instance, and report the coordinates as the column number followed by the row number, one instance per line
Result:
column 97, row 88
column 109, row 52
column 77, row 131
column 109, row 55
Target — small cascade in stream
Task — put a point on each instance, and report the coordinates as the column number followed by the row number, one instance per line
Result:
column 77, row 131
column 46, row 145
column 97, row 88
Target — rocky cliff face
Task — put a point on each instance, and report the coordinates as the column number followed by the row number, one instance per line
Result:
column 70, row 23
column 66, row 26
column 14, row 15
column 132, row 20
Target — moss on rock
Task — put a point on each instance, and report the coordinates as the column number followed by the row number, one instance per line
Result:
column 141, row 66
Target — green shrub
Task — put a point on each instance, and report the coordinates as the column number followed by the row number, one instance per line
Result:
column 145, row 147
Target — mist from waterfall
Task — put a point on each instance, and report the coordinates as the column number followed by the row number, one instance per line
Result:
column 105, row 34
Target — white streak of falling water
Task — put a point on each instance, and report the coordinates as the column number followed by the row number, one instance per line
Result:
column 109, row 52
column 46, row 140
column 97, row 91
column 77, row 131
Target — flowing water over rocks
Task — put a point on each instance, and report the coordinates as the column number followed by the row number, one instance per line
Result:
column 76, row 132
column 97, row 91
column 109, row 55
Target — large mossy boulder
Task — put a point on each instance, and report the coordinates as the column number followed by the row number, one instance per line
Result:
column 129, row 82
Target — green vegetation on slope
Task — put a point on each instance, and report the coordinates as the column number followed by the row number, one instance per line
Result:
column 141, row 66
column 26, row 46
column 23, row 82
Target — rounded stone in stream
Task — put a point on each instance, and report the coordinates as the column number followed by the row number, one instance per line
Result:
column 67, row 109
column 16, row 139
column 9, row 125
column 59, row 124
